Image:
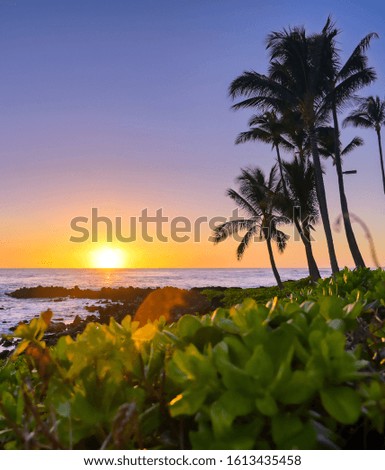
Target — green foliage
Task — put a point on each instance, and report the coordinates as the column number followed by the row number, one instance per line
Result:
column 233, row 296
column 283, row 367
column 103, row 390
column 304, row 371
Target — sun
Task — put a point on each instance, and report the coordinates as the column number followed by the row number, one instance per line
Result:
column 108, row 258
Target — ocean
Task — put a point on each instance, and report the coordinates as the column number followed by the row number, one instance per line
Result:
column 12, row 311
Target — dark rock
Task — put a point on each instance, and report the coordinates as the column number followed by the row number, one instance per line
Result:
column 106, row 293
column 118, row 311
column 91, row 318
column 56, row 327
column 5, row 354
column 6, row 343
column 91, row 309
column 77, row 321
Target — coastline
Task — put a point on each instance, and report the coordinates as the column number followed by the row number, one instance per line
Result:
column 119, row 302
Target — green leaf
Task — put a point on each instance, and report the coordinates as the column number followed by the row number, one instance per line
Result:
column 225, row 324
column 289, row 432
column 85, row 412
column 221, row 418
column 298, row 389
column 127, row 323
column 233, row 377
column 9, row 404
column 267, row 405
column 260, row 366
column 236, row 403
column 188, row 402
column 150, row 419
column 206, row 335
column 342, row 403
column 229, row 406
column 190, row 365
column 188, row 325
column 331, row 307
column 239, row 353
column 239, row 437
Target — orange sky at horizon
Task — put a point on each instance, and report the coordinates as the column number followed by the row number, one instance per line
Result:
column 42, row 247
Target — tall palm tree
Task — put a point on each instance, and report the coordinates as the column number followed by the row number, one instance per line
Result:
column 370, row 113
column 267, row 128
column 297, row 79
column 257, row 198
column 342, row 83
column 300, row 181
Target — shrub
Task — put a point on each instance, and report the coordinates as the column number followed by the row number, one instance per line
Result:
column 300, row 372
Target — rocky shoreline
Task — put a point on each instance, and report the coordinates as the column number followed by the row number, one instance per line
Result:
column 143, row 304
column 56, row 292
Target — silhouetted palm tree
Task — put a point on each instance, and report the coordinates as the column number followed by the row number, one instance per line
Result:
column 370, row 113
column 297, row 81
column 344, row 81
column 267, row 128
column 257, row 198
column 302, row 205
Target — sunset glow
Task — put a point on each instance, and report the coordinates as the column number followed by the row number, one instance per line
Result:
column 108, row 258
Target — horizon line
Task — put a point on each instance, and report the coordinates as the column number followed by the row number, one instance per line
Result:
column 168, row 268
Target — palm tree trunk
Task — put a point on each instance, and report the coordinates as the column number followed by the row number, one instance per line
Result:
column 281, row 171
column 311, row 262
column 381, row 157
column 321, row 195
column 273, row 265
column 353, row 246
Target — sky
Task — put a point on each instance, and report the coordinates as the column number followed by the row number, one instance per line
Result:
column 122, row 106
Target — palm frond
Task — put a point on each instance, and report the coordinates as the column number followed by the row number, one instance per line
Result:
column 254, row 134
column 281, row 239
column 243, row 203
column 231, row 227
column 272, row 181
column 344, row 91
column 300, row 181
column 357, row 60
column 262, row 102
column 358, row 119
column 246, row 241
column 352, row 145
column 370, row 112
